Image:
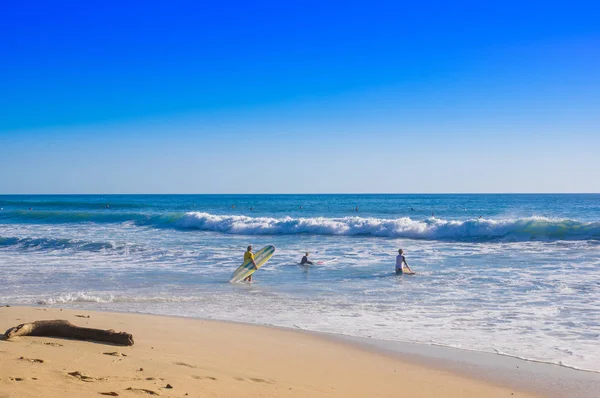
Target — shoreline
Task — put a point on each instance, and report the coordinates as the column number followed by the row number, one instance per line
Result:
column 379, row 344
column 471, row 371
column 527, row 375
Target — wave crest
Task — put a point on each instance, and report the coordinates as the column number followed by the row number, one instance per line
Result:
column 530, row 228
column 511, row 229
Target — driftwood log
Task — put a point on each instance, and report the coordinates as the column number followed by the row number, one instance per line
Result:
column 66, row 329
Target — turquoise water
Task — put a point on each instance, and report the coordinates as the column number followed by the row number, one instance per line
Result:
column 512, row 274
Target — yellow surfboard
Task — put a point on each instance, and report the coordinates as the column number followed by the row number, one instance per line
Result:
column 247, row 268
column 407, row 271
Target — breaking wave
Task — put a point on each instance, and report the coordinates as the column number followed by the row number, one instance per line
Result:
column 531, row 228
column 511, row 229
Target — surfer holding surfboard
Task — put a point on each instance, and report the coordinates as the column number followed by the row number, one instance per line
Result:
column 401, row 264
column 249, row 256
column 252, row 262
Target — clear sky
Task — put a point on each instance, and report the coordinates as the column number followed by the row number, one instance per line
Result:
column 299, row 96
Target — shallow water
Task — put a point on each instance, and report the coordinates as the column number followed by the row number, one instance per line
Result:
column 522, row 280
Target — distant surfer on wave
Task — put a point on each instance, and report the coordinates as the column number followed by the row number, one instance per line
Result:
column 401, row 262
column 249, row 256
column 305, row 261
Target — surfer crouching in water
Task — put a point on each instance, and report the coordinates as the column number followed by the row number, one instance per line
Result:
column 401, row 262
column 305, row 261
column 249, row 256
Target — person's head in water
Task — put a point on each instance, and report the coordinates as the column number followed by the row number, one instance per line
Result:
column 249, row 248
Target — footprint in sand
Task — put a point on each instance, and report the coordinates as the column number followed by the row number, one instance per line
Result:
column 115, row 354
column 256, row 380
column 87, row 379
column 32, row 360
column 150, row 392
column 184, row 364
column 110, row 393
column 204, row 378
column 16, row 378
column 53, row 344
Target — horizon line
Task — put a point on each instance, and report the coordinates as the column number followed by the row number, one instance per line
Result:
column 298, row 194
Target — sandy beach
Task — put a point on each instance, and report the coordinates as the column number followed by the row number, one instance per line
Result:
column 299, row 199
column 210, row 359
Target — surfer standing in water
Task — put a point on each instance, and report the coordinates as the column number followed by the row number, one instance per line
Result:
column 249, row 256
column 305, row 261
column 401, row 262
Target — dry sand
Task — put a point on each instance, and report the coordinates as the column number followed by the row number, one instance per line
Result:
column 199, row 358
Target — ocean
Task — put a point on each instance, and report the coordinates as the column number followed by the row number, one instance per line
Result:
column 517, row 275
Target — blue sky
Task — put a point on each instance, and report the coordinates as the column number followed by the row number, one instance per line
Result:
column 299, row 96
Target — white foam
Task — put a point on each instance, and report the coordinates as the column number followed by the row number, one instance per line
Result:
column 79, row 297
column 404, row 227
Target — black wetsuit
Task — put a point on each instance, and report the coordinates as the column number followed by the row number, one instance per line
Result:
column 305, row 261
